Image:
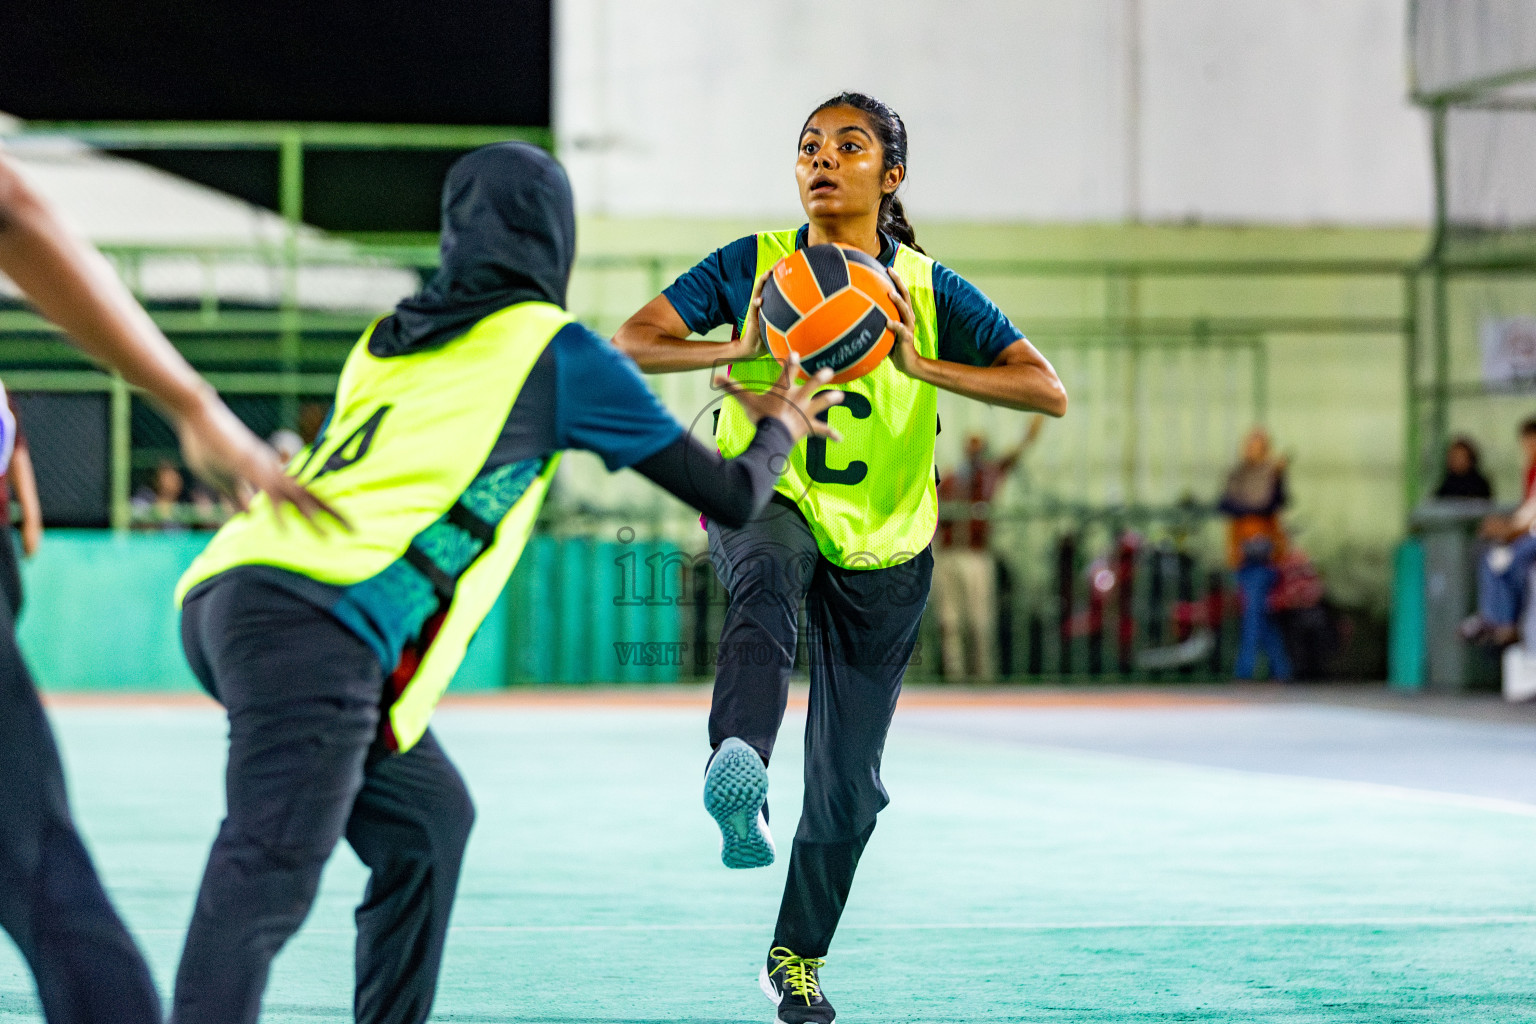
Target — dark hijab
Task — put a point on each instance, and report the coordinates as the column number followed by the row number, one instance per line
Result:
column 509, row 236
column 1472, row 483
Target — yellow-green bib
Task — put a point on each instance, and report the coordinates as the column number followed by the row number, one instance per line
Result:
column 407, row 436
column 870, row 499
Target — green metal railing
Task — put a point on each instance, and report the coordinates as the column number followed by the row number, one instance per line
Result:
column 1491, row 253
column 290, row 351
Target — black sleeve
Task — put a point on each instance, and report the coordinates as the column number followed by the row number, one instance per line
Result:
column 729, row 491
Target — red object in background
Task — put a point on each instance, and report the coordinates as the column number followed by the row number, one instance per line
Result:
column 1300, row 585
column 1125, row 570
column 1104, row 581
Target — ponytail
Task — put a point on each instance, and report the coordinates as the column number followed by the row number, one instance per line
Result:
column 893, row 144
column 893, row 221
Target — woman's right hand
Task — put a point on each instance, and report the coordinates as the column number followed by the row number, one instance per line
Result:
column 797, row 406
column 750, row 344
column 224, row 453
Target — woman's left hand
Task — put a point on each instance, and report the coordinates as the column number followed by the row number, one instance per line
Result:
column 904, row 352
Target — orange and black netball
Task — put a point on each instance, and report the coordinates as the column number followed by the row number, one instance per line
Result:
column 830, row 304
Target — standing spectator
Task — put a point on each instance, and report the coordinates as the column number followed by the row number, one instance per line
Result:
column 1463, row 476
column 965, row 571
column 1253, row 497
column 18, row 477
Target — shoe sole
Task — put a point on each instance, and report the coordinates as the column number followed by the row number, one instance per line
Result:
column 734, row 790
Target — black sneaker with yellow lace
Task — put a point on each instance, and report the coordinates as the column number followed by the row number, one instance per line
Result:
column 792, row 983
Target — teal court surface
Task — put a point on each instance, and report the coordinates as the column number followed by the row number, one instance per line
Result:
column 1094, row 856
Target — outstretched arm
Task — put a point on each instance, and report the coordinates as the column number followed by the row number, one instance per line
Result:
column 71, row 284
column 1013, row 455
column 1019, row 378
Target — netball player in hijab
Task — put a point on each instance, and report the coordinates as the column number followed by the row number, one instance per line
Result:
column 330, row 654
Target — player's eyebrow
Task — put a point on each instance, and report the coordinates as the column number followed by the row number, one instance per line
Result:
column 855, row 128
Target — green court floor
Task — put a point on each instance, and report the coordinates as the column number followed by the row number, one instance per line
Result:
column 1018, row 875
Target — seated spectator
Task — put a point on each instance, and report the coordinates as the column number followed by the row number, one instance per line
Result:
column 1463, row 477
column 209, row 509
column 1505, row 566
column 157, row 506
column 1253, row 497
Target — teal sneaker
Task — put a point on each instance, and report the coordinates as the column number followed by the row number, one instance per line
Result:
column 735, row 789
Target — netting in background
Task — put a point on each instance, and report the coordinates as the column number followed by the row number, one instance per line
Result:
column 1485, row 378
column 67, row 437
column 1474, row 70
column 1474, row 66
column 1490, row 206
column 1461, row 45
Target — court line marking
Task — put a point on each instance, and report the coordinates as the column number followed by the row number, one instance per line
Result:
column 1341, row 922
column 1361, row 787
column 673, row 696
column 1452, row 921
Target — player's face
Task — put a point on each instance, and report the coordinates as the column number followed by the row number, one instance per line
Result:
column 1256, row 447
column 840, row 166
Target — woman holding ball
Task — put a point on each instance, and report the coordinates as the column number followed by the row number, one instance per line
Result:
column 848, row 529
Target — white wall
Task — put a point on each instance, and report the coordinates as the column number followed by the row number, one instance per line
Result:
column 1285, row 111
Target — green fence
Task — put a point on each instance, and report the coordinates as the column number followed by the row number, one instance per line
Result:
column 1170, row 351
column 1160, row 399
column 98, row 615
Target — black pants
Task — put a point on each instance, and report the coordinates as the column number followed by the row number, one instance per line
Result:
column 303, row 696
column 861, row 632
column 51, row 902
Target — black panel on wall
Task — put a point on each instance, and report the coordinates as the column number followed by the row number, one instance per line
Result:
column 388, row 61
column 402, row 61
column 344, row 190
column 68, row 438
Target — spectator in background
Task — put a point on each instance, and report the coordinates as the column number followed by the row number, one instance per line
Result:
column 20, row 479
column 203, row 508
column 210, row 510
column 1463, row 476
column 158, row 505
column 1253, row 497
column 964, row 569
column 1505, row 566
